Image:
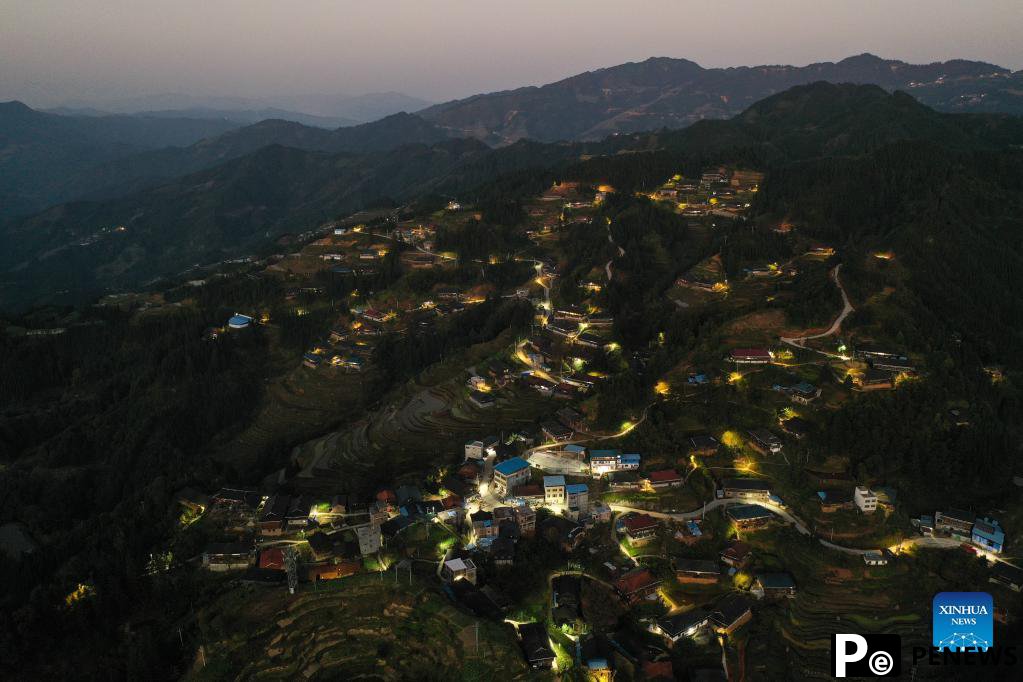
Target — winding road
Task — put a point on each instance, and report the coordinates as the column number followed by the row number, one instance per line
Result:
column 788, row 517
column 800, row 341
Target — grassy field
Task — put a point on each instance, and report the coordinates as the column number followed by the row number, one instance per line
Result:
column 357, row 628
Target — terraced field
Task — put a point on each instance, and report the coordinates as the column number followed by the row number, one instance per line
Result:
column 297, row 406
column 428, row 426
column 356, row 628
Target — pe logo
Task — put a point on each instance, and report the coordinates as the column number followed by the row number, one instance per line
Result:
column 963, row 621
column 866, row 655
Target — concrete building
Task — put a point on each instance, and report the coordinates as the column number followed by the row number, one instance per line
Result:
column 509, row 474
column 865, row 499
column 554, row 491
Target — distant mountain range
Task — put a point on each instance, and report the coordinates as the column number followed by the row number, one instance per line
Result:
column 323, row 110
column 47, row 158
column 238, row 116
column 39, row 151
column 237, row 206
column 673, row 93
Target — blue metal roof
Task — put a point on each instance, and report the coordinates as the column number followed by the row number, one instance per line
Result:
column 604, row 453
column 576, row 488
column 629, row 459
column 989, row 530
column 552, row 481
column 511, row 466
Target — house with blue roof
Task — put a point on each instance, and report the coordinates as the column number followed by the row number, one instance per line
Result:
column 577, row 497
column 239, row 321
column 510, row 473
column 628, row 462
column 988, row 534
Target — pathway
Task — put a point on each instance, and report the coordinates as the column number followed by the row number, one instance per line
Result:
column 800, row 341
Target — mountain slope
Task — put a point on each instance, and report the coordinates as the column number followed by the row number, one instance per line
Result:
column 662, row 92
column 235, row 207
column 39, row 151
column 66, row 170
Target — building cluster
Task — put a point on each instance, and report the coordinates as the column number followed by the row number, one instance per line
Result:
column 984, row 533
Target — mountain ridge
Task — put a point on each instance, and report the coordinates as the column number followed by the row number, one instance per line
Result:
column 234, row 207
column 668, row 92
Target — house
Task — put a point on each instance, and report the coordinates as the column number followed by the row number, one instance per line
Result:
column 271, row 522
column 666, row 478
column 570, row 418
column 640, row 528
column 369, row 537
column 736, row 554
column 271, row 559
column 554, row 490
column 321, row 545
column 530, row 492
column 873, row 379
column 405, row 494
column 624, row 480
column 603, row 462
column 239, row 321
column 563, row 328
column 956, row 522
column 502, row 551
column 571, row 451
column 481, row 399
column 577, row 497
column 874, row 558
column 509, row 474
column 600, row 512
column 483, row 525
column 566, row 533
column 469, row 471
column 804, row 393
column 1007, row 575
column 774, row 585
column 730, row 614
column 750, row 356
column 988, row 535
column 796, row 427
column 833, row 500
column 703, row 445
column 311, row 360
column 555, row 431
column 700, row 571
column 747, row 516
column 227, row 556
column 628, row 462
column 458, row 569
column 525, row 517
column 746, row 488
column 674, row 628
column 763, row 441
column 479, row 449
column 242, row 499
column 636, row 585
column 536, row 646
column 865, row 499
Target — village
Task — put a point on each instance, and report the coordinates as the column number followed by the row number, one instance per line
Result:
column 687, row 542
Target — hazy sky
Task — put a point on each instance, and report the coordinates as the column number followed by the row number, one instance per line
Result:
column 440, row 49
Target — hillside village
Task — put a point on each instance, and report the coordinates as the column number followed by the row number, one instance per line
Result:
column 696, row 549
